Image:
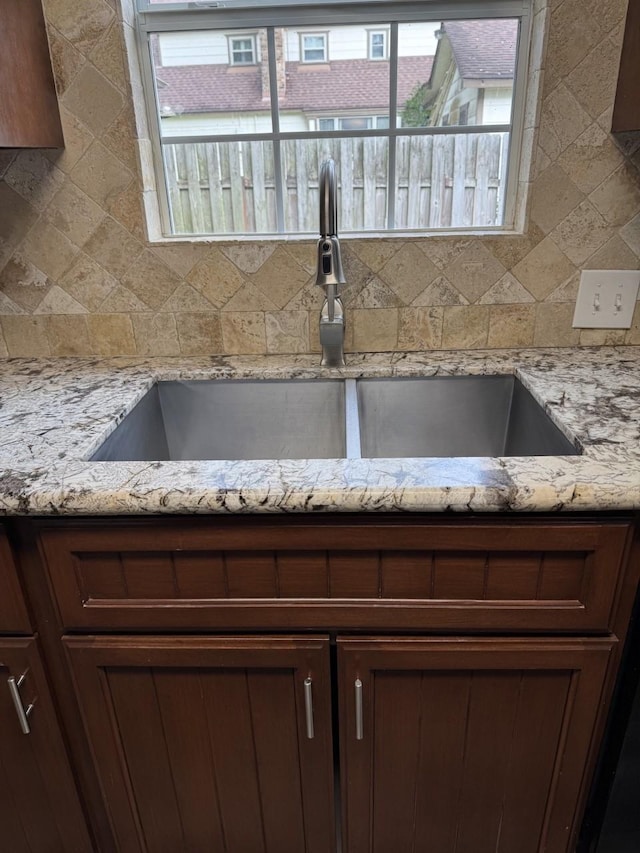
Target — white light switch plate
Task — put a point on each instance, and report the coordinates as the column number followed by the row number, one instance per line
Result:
column 606, row 299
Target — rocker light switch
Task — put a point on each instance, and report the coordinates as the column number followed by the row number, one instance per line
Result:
column 606, row 299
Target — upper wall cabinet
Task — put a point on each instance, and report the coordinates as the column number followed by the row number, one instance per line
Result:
column 626, row 113
column 29, row 114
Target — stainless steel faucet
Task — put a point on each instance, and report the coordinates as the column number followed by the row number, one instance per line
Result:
column 330, row 274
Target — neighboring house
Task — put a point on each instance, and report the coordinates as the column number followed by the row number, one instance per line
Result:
column 473, row 72
column 336, row 79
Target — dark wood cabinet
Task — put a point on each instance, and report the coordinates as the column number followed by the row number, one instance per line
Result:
column 465, row 745
column 14, row 618
column 29, row 112
column 626, row 113
column 39, row 808
column 211, row 744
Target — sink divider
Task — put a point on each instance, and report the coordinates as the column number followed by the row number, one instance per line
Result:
column 352, row 420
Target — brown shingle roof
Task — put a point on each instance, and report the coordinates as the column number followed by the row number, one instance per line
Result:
column 347, row 84
column 484, row 49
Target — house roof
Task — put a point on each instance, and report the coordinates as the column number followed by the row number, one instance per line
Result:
column 347, row 84
column 484, row 49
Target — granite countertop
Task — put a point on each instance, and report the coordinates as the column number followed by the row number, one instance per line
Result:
column 54, row 413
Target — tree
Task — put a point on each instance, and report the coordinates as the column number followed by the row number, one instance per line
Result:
column 415, row 113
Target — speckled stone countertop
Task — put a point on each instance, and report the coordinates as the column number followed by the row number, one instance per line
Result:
column 55, row 413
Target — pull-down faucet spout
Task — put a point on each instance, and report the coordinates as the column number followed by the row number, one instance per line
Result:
column 329, row 271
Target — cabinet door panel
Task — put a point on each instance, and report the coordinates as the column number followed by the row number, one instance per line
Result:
column 469, row 746
column 39, row 807
column 13, row 611
column 201, row 743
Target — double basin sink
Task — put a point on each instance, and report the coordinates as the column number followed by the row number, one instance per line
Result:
column 335, row 418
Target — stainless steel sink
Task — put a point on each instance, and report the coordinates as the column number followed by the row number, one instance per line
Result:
column 324, row 419
column 455, row 416
column 238, row 419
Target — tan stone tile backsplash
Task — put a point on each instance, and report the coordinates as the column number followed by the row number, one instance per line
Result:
column 78, row 277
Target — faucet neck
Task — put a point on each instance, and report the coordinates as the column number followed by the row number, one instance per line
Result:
column 328, row 200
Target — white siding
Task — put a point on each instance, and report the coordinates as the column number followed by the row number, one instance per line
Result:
column 206, row 47
column 497, row 105
column 353, row 42
column 205, row 124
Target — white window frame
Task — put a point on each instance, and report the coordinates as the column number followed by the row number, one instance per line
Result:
column 298, row 14
column 325, row 48
column 231, row 37
column 385, row 44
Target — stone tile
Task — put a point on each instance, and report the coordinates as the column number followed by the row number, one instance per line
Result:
column 562, row 121
column 4, row 351
column 122, row 301
column 121, row 140
column 582, row 233
column 544, row 269
column 567, row 292
column 420, row 328
column 65, row 60
column 34, row 177
column 16, row 215
column 126, row 208
column 186, row 299
column 93, row 99
column 243, row 332
column 24, row 283
column 83, row 25
column 571, row 36
column 113, row 248
column 357, row 274
column 48, row 249
column 58, row 301
column 68, row 335
column 593, row 81
column 111, row 334
column 216, row 278
column 100, row 174
column 375, row 253
column 507, row 291
column 630, row 233
column 632, row 336
column 511, row 249
column 618, row 197
column 77, row 139
column 602, row 337
column 408, row 272
column 150, row 280
column 87, row 282
column 475, row 271
column 553, row 325
column 440, row 292
column 155, row 334
column 74, row 214
column 375, row 329
column 280, row 277
column 304, row 254
column 108, row 56
column 465, row 327
column 181, row 257
column 25, row 336
column 511, row 326
column 443, row 251
column 249, row 298
column 7, row 156
column 590, row 159
column 614, row 255
column 553, row 196
column 376, row 294
column 8, row 306
column 249, row 257
column 199, row 334
column 287, row 331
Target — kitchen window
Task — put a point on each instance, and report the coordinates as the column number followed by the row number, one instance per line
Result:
column 239, row 153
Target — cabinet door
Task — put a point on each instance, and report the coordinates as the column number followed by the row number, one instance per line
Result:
column 465, row 746
column 13, row 611
column 39, row 807
column 205, row 744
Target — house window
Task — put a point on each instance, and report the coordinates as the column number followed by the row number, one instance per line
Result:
column 242, row 50
column 314, row 47
column 378, row 44
column 239, row 154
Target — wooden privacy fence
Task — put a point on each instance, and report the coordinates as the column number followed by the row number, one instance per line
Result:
column 442, row 181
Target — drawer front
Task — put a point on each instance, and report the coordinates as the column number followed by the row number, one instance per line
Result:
column 239, row 573
column 13, row 611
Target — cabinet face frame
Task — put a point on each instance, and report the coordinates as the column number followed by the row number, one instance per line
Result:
column 39, row 807
column 360, row 659
column 14, row 618
column 91, row 660
column 588, row 609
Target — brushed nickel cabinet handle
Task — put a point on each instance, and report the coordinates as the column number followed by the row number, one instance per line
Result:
column 308, row 706
column 359, row 717
column 22, row 712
